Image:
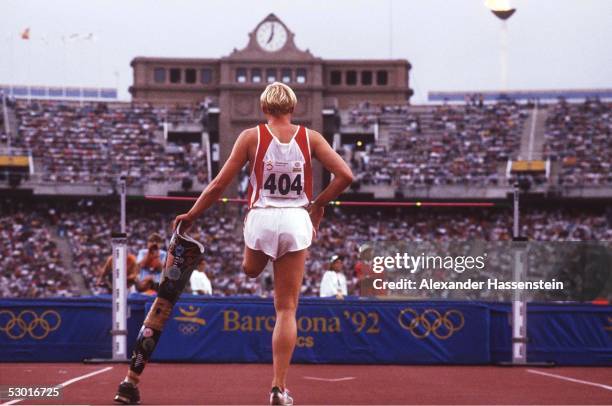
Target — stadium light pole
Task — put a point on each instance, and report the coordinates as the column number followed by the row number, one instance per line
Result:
column 519, row 306
column 519, row 302
column 503, row 11
column 122, row 194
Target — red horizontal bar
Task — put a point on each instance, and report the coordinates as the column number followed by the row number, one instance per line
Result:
column 192, row 199
column 345, row 203
column 413, row 204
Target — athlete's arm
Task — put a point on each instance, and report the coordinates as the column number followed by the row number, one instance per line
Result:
column 343, row 176
column 105, row 271
column 214, row 190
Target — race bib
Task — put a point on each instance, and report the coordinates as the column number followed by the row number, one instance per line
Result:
column 283, row 179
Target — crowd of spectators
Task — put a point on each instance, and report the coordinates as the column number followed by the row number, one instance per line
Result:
column 95, row 142
column 30, row 263
column 464, row 143
column 32, row 267
column 579, row 136
column 448, row 144
column 365, row 114
column 439, row 145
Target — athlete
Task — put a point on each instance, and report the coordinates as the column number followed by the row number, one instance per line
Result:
column 283, row 217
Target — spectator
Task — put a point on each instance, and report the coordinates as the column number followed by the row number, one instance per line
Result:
column 200, row 284
column 148, row 286
column 105, row 275
column 334, row 281
column 151, row 260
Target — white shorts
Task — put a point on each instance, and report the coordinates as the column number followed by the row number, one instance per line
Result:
column 278, row 230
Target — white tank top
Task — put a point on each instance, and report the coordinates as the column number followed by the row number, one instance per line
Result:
column 282, row 172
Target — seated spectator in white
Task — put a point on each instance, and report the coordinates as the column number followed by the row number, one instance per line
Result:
column 200, row 284
column 151, row 260
column 334, row 281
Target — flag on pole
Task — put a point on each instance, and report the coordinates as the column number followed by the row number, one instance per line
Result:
column 26, row 34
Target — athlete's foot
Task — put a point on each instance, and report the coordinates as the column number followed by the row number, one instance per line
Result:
column 127, row 394
column 280, row 397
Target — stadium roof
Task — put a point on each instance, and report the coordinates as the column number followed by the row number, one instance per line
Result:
column 492, row 95
column 59, row 92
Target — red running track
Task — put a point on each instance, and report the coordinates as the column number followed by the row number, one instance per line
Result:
column 323, row 384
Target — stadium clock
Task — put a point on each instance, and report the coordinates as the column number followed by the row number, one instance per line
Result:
column 271, row 36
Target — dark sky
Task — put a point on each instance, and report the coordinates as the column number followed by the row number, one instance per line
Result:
column 452, row 44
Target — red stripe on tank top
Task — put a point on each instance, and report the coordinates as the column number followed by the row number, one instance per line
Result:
column 302, row 141
column 265, row 138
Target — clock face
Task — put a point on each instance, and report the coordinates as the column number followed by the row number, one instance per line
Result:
column 271, row 36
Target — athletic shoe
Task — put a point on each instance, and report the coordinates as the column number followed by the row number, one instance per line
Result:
column 279, row 397
column 127, row 394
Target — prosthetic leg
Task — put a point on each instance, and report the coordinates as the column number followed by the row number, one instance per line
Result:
column 184, row 254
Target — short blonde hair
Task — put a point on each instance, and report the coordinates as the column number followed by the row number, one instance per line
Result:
column 278, row 99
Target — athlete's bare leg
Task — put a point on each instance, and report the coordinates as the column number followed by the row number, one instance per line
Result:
column 288, row 274
column 254, row 262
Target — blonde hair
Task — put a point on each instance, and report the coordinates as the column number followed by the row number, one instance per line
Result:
column 278, row 99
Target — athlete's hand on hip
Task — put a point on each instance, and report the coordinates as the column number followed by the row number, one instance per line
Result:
column 186, row 219
column 316, row 214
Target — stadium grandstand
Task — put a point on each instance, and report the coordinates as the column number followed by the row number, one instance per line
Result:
column 447, row 151
column 59, row 93
column 440, row 149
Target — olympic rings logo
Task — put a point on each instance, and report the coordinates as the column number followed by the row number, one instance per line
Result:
column 28, row 322
column 431, row 321
column 188, row 329
column 191, row 322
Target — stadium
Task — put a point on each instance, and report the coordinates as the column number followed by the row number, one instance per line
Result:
column 467, row 259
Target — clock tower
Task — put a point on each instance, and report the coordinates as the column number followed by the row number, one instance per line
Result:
column 271, row 38
column 270, row 55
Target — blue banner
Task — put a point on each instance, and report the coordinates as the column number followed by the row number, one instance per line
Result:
column 565, row 334
column 61, row 330
column 329, row 331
